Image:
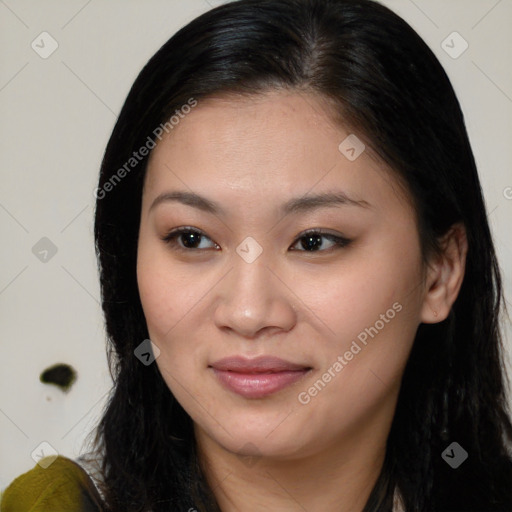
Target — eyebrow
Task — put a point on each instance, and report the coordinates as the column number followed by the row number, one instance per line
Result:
column 326, row 199
column 190, row 199
column 295, row 205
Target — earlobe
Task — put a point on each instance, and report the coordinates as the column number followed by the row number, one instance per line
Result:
column 445, row 276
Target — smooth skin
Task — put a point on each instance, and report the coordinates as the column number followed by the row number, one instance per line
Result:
column 202, row 301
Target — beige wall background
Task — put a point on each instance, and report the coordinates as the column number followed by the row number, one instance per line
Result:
column 66, row 69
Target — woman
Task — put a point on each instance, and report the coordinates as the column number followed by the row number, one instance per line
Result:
column 289, row 209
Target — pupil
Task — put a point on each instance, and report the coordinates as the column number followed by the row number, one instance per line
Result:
column 190, row 239
column 312, row 242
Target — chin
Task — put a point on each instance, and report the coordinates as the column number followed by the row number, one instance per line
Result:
column 252, row 441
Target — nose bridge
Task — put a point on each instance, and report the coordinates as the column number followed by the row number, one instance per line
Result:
column 251, row 298
column 250, row 274
column 251, row 285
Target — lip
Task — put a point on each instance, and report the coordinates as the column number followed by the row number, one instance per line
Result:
column 258, row 377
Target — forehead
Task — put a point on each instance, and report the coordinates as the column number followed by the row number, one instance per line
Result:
column 277, row 143
column 270, row 126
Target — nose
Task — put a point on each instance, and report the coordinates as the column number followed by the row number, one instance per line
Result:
column 254, row 300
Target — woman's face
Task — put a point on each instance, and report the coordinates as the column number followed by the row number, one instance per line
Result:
column 275, row 341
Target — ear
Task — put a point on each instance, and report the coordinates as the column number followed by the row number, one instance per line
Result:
column 444, row 276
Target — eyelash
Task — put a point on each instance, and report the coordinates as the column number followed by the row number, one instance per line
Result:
column 339, row 241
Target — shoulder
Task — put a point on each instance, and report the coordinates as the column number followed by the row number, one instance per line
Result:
column 63, row 485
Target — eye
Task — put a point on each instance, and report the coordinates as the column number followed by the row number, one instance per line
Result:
column 189, row 238
column 314, row 241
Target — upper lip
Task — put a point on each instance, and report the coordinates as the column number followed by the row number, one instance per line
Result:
column 261, row 364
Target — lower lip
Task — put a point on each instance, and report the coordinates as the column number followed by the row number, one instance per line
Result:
column 258, row 385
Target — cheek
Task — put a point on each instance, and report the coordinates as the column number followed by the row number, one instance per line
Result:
column 353, row 297
column 172, row 297
column 164, row 311
column 155, row 301
column 166, row 290
column 368, row 311
column 157, row 289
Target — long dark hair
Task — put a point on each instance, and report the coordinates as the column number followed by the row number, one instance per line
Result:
column 387, row 86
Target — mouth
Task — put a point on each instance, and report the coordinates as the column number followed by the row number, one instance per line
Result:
column 258, row 377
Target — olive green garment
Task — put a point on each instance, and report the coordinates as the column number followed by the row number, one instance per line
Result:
column 63, row 486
